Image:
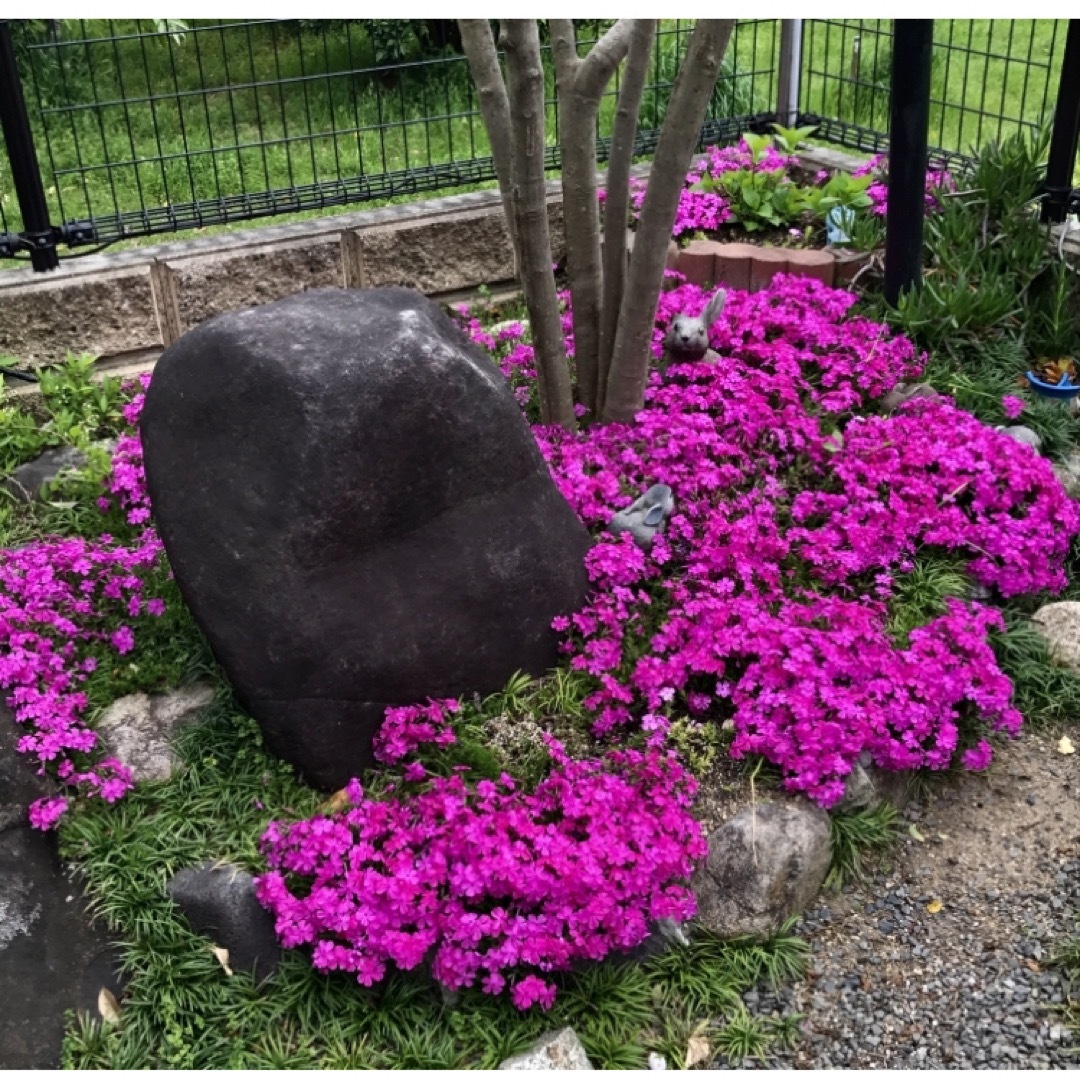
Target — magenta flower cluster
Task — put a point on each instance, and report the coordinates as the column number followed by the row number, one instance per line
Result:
column 57, row 597
column 938, row 181
column 767, row 601
column 706, row 211
column 405, row 729
column 488, row 884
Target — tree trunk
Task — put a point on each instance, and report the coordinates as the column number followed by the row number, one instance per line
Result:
column 581, row 84
column 479, row 47
column 525, row 83
column 678, row 138
column 617, row 205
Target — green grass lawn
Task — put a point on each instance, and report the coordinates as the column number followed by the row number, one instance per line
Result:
column 128, row 118
column 983, row 69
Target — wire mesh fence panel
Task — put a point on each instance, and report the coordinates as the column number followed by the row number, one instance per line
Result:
column 10, row 218
column 989, row 78
column 146, row 127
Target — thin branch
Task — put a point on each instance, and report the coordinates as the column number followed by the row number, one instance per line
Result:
column 617, row 204
column 483, row 57
column 581, row 84
column 678, row 137
column 525, row 87
column 605, row 56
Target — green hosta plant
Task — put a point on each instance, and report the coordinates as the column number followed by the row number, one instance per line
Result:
column 787, row 139
column 842, row 189
column 759, row 200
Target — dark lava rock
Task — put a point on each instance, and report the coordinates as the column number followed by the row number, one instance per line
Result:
column 356, row 513
column 219, row 901
column 52, row 957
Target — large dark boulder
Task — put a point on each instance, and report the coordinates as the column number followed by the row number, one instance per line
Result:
column 356, row 513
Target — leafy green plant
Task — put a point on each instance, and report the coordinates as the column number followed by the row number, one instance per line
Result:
column 1044, row 692
column 841, row 189
column 921, row 593
column 758, row 199
column 788, row 139
column 855, row 835
column 700, row 744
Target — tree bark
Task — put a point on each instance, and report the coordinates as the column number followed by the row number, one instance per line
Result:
column 520, row 39
column 678, row 137
column 617, row 205
column 581, row 84
column 479, row 46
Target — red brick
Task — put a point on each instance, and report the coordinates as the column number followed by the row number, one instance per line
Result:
column 812, row 264
column 696, row 262
column 767, row 263
column 733, row 265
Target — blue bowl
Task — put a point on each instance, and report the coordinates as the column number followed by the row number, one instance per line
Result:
column 1063, row 389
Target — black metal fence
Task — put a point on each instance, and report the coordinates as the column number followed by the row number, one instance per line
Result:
column 150, row 127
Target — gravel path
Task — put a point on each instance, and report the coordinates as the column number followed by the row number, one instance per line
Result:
column 939, row 960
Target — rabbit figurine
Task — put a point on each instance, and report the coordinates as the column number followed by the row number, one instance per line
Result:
column 687, row 339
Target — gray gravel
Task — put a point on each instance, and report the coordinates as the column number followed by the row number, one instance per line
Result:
column 892, row 984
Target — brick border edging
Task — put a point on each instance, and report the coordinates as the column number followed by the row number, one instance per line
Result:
column 746, row 266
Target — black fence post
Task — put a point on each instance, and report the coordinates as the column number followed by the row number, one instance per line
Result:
column 1066, row 137
column 909, row 120
column 37, row 232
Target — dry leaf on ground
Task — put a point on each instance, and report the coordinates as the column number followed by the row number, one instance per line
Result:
column 1065, row 746
column 222, row 956
column 108, row 1006
column 697, row 1051
column 934, row 906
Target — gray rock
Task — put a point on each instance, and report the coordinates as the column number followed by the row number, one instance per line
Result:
column 373, row 522
column 904, row 392
column 867, row 786
column 1059, row 624
column 645, row 517
column 139, row 729
column 1068, row 473
column 219, row 901
column 53, row 958
column 28, row 481
column 558, row 1050
column 764, row 865
column 1022, row 434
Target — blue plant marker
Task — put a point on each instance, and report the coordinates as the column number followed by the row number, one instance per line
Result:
column 1064, row 389
column 838, row 222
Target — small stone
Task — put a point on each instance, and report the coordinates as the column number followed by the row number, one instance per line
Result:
column 905, row 392
column 29, row 481
column 1022, row 434
column 139, row 729
column 219, row 902
column 557, row 1050
column 1059, row 624
column 657, row 1062
column 764, row 865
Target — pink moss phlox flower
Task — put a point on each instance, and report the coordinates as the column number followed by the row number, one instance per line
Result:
column 488, row 883
column 1012, row 406
column 55, row 595
column 767, row 599
column 406, row 728
column 938, row 181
